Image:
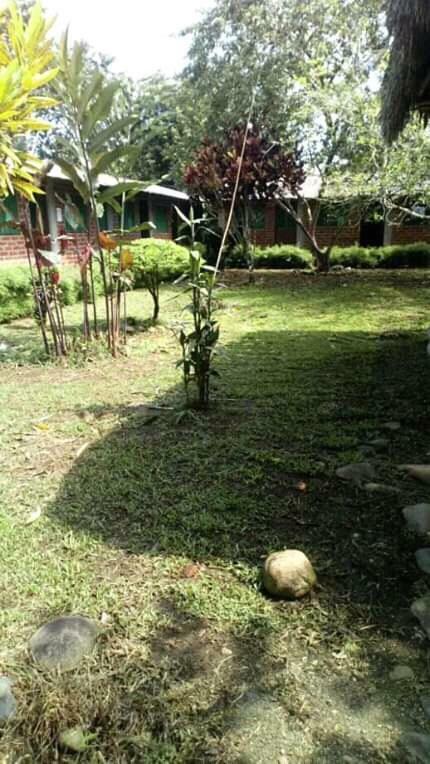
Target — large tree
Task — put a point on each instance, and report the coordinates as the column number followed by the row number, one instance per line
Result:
column 246, row 166
column 310, row 76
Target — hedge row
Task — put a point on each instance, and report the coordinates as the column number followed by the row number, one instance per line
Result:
column 287, row 256
column 394, row 256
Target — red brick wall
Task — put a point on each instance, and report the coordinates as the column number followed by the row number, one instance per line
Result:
column 330, row 235
column 286, row 236
column 267, row 235
column 410, row 234
column 13, row 247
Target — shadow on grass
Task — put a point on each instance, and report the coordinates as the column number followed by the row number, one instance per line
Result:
column 219, row 492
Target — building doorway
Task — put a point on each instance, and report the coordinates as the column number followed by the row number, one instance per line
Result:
column 372, row 228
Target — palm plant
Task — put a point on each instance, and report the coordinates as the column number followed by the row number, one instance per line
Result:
column 92, row 149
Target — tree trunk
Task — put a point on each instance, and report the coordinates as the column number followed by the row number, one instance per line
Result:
column 322, row 259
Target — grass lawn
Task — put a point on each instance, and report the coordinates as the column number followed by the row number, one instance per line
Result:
column 157, row 530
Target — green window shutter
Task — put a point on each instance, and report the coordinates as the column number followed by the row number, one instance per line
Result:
column 129, row 215
column 284, row 221
column 104, row 220
column 161, row 219
column 257, row 218
column 9, row 213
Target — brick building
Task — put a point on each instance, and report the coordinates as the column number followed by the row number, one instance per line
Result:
column 155, row 204
column 270, row 224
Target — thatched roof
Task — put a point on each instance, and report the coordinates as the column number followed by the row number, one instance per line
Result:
column 407, row 81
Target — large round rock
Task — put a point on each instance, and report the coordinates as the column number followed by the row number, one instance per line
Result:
column 63, row 643
column 288, row 574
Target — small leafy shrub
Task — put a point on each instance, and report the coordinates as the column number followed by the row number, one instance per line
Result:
column 355, row 257
column 170, row 259
column 16, row 295
column 278, row 256
column 155, row 261
column 16, row 300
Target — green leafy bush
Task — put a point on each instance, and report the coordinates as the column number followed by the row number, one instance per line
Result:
column 170, row 259
column 16, row 294
column 286, row 256
column 155, row 261
column 406, row 256
column 356, row 257
column 278, row 256
column 395, row 256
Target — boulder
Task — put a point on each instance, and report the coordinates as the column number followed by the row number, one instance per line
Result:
column 358, row 473
column 288, row 574
column 401, row 674
column 422, row 557
column 418, row 518
column 379, row 443
column 7, row 700
column 418, row 471
column 64, row 642
column 380, row 488
column 421, row 610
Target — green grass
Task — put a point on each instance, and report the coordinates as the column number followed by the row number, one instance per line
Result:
column 311, row 368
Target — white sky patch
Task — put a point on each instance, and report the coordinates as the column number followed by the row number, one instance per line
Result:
column 142, row 35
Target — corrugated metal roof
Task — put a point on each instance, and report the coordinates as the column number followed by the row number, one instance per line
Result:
column 165, row 191
column 109, row 180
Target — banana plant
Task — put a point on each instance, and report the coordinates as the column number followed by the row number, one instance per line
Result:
column 88, row 108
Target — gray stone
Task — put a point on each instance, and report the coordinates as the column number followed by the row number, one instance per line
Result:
column 425, row 702
column 418, row 518
column 380, row 488
column 288, row 574
column 401, row 674
column 63, row 643
column 379, row 443
column 422, row 557
column 358, row 473
column 421, row 610
column 74, row 739
column 7, row 700
column 418, row 471
column 391, row 426
column 418, row 746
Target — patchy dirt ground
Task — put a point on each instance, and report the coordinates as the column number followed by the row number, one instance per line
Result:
column 110, row 508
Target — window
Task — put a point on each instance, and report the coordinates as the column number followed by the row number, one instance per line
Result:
column 8, row 214
column 129, row 215
column 161, row 219
column 284, row 221
column 75, row 216
column 257, row 218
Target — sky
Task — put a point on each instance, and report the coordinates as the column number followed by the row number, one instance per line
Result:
column 142, row 35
